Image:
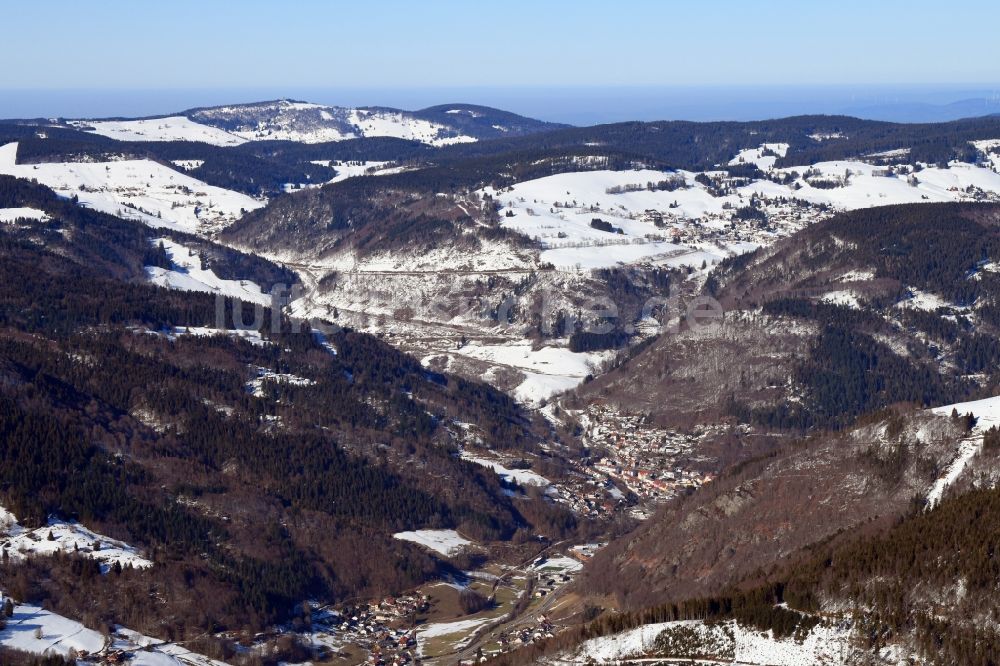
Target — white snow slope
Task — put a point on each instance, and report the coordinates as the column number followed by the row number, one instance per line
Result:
column 524, row 477
column 382, row 123
column 987, row 413
column 11, row 215
column 141, row 190
column 445, row 542
column 824, row 645
column 547, row 371
column 186, row 274
column 65, row 537
column 557, row 210
column 33, row 629
column 174, row 128
column 38, row 631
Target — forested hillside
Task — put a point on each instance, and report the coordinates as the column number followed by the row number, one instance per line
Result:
column 252, row 471
column 923, row 587
column 850, row 490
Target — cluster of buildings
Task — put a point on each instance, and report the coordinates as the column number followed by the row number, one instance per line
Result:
column 783, row 217
column 643, row 458
column 383, row 629
column 526, row 635
column 589, row 495
column 550, row 582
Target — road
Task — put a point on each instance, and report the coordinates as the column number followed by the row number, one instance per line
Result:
column 529, row 616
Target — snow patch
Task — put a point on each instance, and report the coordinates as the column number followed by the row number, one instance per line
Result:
column 524, row 477
column 764, row 157
column 11, row 215
column 187, row 274
column 251, row 336
column 561, row 564
column 387, row 123
column 256, row 385
column 844, row 297
column 438, row 629
column 857, row 276
column 547, row 371
column 445, row 542
column 38, row 631
column 923, row 300
column 825, row 644
column 141, row 190
column 173, row 128
column 187, row 165
column 987, row 413
column 60, row 536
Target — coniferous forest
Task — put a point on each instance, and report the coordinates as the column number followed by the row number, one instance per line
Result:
column 111, row 414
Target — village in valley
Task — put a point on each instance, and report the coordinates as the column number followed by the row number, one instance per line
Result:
column 416, row 628
column 646, row 460
column 635, row 467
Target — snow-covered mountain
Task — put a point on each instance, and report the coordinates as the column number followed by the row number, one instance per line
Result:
column 287, row 120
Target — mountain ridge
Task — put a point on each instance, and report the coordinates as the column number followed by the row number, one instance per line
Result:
column 315, row 123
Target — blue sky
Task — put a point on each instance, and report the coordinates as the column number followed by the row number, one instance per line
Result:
column 389, row 43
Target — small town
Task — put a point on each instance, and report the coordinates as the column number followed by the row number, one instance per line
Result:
column 644, row 459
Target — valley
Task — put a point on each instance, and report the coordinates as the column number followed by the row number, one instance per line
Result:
column 512, row 391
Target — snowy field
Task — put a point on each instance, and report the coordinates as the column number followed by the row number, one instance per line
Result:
column 11, row 215
column 256, row 385
column 59, row 536
column 987, row 413
column 867, row 188
column 148, row 651
column 763, row 157
column 547, row 371
column 186, row 274
column 174, row 128
column 353, row 170
column 449, row 628
column 444, row 542
column 253, row 337
column 829, row 645
column 284, row 122
column 187, row 165
column 458, row 632
column 33, row 629
column 345, row 171
column 558, row 210
column 579, row 196
column 923, row 300
column 523, row 477
column 140, row 190
column 38, row 631
column 384, row 123
column 845, row 297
